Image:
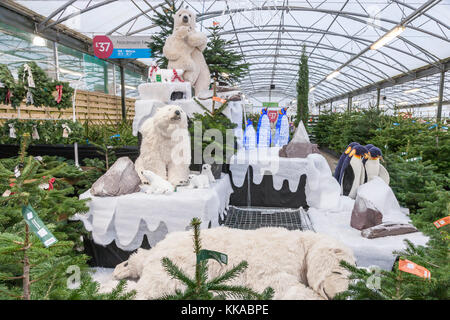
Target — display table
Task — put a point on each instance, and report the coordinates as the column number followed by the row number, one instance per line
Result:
column 127, row 219
column 281, row 182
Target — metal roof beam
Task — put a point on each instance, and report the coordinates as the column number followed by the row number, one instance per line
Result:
column 400, row 79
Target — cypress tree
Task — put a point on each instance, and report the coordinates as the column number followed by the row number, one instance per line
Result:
column 225, row 65
column 302, row 89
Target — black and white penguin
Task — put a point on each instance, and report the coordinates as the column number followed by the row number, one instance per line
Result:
column 344, row 155
column 373, row 166
column 353, row 172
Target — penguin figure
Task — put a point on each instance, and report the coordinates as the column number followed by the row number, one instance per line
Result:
column 353, row 172
column 344, row 155
column 373, row 166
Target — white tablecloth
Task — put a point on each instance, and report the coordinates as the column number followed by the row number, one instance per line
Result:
column 126, row 219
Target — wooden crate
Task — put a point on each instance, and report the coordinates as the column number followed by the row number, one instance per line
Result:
column 93, row 106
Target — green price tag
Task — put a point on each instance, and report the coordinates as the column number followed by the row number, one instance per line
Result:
column 158, row 78
column 37, row 226
column 209, row 254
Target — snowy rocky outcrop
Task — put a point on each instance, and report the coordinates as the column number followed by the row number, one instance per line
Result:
column 120, row 179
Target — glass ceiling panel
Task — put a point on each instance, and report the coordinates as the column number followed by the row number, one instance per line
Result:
column 272, row 32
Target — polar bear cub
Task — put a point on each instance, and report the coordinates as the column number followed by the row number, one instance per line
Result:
column 200, row 181
column 206, row 170
column 157, row 184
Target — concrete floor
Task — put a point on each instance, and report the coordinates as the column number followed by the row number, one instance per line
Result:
column 332, row 160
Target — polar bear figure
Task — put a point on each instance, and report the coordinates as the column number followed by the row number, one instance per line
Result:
column 157, row 185
column 199, row 181
column 184, row 50
column 206, row 170
column 166, row 146
column 300, row 265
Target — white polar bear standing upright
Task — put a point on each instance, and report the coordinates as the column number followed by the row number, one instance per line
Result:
column 184, row 50
column 166, row 146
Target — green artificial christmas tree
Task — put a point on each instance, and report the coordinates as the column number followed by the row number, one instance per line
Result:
column 163, row 18
column 10, row 92
column 199, row 288
column 302, row 90
column 39, row 248
column 225, row 65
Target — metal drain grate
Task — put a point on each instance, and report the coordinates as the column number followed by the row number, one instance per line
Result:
column 250, row 218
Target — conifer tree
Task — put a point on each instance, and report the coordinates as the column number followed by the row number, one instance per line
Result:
column 225, row 65
column 302, row 89
column 199, row 288
column 29, row 268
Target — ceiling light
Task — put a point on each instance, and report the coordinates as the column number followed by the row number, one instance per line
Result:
column 130, row 87
column 38, row 41
column 312, row 89
column 225, row 75
column 412, row 90
column 388, row 37
column 333, row 75
column 403, row 103
column 434, row 99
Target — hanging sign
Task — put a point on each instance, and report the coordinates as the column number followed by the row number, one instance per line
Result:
column 273, row 115
column 415, row 269
column 263, row 133
column 37, row 226
column 121, row 47
column 209, row 254
column 218, row 99
column 282, row 129
column 249, row 136
column 270, row 104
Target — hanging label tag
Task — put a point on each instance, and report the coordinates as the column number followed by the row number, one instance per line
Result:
column 37, row 226
column 218, row 99
column 12, row 131
column 209, row 254
column 35, row 134
column 415, row 269
column 17, row 171
column 7, row 193
column 442, row 222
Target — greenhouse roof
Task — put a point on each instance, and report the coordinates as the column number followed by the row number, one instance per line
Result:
column 337, row 35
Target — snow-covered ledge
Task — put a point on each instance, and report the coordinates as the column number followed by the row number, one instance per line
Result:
column 126, row 219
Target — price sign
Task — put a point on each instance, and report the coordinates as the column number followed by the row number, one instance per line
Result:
column 103, row 47
column 118, row 47
column 273, row 115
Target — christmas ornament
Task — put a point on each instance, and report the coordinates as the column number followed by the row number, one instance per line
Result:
column 66, row 130
column 12, row 131
column 35, row 134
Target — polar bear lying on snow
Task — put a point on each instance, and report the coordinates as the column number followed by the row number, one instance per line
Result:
column 166, row 146
column 296, row 264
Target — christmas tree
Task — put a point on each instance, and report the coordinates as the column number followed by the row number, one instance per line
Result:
column 39, row 248
column 199, row 288
column 225, row 64
column 164, row 20
column 302, row 89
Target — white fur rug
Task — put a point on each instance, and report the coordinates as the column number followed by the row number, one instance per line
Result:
column 297, row 265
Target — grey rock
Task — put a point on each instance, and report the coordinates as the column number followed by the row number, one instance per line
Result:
column 388, row 229
column 298, row 150
column 120, row 179
column 364, row 216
